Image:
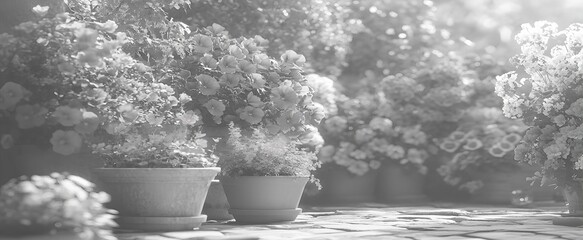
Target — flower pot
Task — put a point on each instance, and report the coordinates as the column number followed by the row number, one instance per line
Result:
column 216, row 206
column 158, row 199
column 499, row 184
column 341, row 186
column 264, row 199
column 573, row 194
column 397, row 184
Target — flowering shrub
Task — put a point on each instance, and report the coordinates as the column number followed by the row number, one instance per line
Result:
column 261, row 154
column 69, row 81
column 55, row 203
column 231, row 80
column 546, row 94
column 484, row 140
column 318, row 29
column 361, row 139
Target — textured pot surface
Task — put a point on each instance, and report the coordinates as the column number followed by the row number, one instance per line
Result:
column 157, row 192
column 265, row 192
column 399, row 185
column 341, row 186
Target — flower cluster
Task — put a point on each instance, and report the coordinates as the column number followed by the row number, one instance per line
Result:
column 484, row 140
column 361, row 139
column 547, row 95
column 258, row 153
column 232, row 80
column 320, row 30
column 55, row 203
column 69, row 79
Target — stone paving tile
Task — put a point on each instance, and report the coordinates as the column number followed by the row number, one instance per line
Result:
column 377, row 221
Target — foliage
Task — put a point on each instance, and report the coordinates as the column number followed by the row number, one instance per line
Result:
column 545, row 94
column 231, row 80
column 68, row 80
column 260, row 154
column 397, row 35
column 55, row 203
column 484, row 140
column 318, row 29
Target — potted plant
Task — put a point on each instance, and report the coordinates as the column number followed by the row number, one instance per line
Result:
column 264, row 175
column 79, row 88
column 57, row 206
column 545, row 93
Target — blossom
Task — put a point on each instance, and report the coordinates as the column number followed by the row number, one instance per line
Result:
column 394, row 151
column 496, row 151
column 208, row 85
column 284, row 97
column 247, row 67
column 473, row 144
column 512, row 138
column 89, row 123
column 209, row 61
column 215, row 107
column 291, row 57
column 10, row 94
column 230, row 79
column 358, row 154
column 414, row 136
column 381, row 124
column 336, row 124
column 189, row 117
column 108, row 26
column 358, row 167
column 6, row 141
column 326, row 152
column 68, row 116
column 289, row 119
column 254, row 101
column 66, row 142
column 236, row 51
column 228, row 64
column 40, row 11
column 257, row 80
column 202, row 43
column 252, row 115
column 457, row 136
column 29, row 116
column 374, row 164
column 363, row 135
column 576, row 108
column 449, row 146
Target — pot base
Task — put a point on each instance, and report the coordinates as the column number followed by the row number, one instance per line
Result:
column 250, row 216
column 153, row 224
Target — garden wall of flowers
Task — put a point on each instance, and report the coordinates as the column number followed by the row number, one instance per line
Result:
column 374, row 101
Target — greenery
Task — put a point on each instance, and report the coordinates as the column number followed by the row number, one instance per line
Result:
column 55, row 203
column 545, row 93
column 259, row 153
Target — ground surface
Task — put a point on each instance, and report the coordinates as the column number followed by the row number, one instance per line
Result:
column 377, row 221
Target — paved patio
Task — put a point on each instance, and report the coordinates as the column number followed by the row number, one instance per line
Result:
column 392, row 222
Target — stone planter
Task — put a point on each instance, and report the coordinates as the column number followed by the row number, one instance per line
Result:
column 341, row 186
column 216, row 206
column 264, row 199
column 158, row 199
column 397, row 184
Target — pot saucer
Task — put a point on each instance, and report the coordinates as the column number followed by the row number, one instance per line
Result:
column 153, row 224
column 260, row 216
